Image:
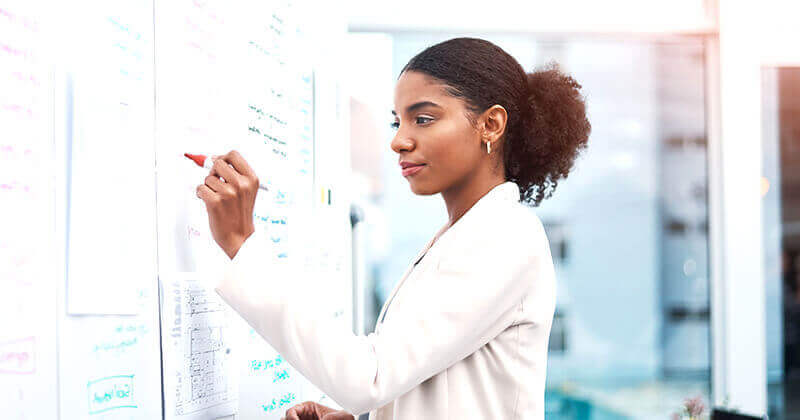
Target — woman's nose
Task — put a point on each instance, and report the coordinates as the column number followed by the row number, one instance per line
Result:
column 401, row 143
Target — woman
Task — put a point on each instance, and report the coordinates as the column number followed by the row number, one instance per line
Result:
column 465, row 332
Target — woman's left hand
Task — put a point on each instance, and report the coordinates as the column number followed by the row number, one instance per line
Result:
column 311, row 410
column 229, row 193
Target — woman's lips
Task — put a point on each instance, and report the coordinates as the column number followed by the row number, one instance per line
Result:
column 411, row 170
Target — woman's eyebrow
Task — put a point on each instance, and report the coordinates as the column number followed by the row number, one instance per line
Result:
column 418, row 105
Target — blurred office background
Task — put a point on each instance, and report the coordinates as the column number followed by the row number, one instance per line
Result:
column 676, row 237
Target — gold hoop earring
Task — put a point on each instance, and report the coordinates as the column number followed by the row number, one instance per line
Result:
column 488, row 147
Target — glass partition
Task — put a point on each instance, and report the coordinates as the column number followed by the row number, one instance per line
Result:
column 781, row 223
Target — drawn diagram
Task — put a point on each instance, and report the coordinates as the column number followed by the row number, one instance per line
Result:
column 198, row 359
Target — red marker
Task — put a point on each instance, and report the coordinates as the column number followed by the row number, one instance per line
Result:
column 206, row 162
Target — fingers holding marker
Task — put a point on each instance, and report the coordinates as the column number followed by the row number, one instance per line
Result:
column 245, row 177
column 230, row 168
column 217, row 185
column 241, row 166
column 223, row 170
column 206, row 194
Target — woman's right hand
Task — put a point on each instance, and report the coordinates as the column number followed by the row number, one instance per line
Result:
column 310, row 410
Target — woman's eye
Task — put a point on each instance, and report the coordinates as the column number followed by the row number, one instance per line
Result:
column 395, row 125
column 423, row 120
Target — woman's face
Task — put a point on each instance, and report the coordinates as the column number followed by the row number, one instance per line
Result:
column 432, row 129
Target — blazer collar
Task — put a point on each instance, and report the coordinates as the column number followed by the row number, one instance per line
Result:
column 507, row 192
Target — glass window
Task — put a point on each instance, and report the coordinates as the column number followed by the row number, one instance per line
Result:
column 781, row 222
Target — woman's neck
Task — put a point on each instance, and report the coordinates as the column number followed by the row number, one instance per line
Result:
column 460, row 198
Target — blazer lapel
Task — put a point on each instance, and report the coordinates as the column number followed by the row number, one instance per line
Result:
column 402, row 280
column 505, row 191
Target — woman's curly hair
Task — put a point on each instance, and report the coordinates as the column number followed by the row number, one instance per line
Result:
column 547, row 125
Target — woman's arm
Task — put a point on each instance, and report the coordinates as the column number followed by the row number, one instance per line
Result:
column 468, row 300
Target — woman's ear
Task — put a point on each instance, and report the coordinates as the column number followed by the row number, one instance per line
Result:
column 494, row 123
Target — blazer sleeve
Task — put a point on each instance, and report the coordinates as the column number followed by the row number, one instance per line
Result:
column 467, row 300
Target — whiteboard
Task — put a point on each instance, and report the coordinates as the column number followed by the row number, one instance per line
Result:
column 104, row 273
column 234, row 77
column 27, row 238
column 108, row 324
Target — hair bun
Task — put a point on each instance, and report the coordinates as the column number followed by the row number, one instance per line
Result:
column 557, row 130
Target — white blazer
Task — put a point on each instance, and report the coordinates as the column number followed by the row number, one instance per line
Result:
column 463, row 335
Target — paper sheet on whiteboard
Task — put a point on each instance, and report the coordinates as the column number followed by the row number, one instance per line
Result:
column 197, row 346
column 111, row 226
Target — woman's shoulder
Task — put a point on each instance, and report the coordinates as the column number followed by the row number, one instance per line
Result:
column 523, row 228
column 513, row 220
column 506, row 231
column 524, row 217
